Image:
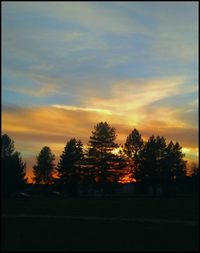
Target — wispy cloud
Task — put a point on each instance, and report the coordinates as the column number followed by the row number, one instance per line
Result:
column 134, row 94
column 76, row 108
column 42, row 90
column 55, row 125
column 78, row 40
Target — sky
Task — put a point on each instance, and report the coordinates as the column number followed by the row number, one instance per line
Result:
column 67, row 66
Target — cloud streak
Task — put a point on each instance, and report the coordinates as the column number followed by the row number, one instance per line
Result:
column 55, row 126
column 76, row 108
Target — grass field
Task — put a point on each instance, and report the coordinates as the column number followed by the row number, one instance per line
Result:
column 39, row 234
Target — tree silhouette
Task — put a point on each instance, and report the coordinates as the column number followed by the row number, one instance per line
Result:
column 151, row 161
column 195, row 178
column 13, row 168
column 103, row 163
column 174, row 168
column 7, row 146
column 194, row 170
column 175, row 161
column 69, row 166
column 132, row 148
column 43, row 170
column 162, row 164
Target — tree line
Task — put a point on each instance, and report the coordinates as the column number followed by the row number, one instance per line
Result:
column 152, row 162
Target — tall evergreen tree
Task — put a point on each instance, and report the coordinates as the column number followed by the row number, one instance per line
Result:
column 132, row 148
column 175, row 165
column 161, row 164
column 194, row 178
column 13, row 168
column 151, row 160
column 194, row 170
column 103, row 163
column 43, row 170
column 69, row 166
column 7, row 146
column 173, row 171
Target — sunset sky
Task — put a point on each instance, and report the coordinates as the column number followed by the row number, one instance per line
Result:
column 66, row 66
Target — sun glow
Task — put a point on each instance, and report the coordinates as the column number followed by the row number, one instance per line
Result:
column 127, row 179
column 117, row 150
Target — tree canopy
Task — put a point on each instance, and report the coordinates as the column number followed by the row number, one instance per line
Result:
column 13, row 168
column 101, row 160
column 132, row 148
column 69, row 165
column 44, row 168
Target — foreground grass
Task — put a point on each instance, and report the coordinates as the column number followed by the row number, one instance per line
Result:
column 61, row 235
column 185, row 208
column 26, row 234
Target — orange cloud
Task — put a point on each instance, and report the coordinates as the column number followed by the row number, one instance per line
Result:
column 33, row 128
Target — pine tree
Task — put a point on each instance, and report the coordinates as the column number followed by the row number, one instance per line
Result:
column 7, row 146
column 102, row 162
column 44, row 169
column 161, row 164
column 69, row 166
column 132, row 148
column 175, row 165
column 151, row 160
column 13, row 168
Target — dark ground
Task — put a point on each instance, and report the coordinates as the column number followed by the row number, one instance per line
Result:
column 39, row 234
